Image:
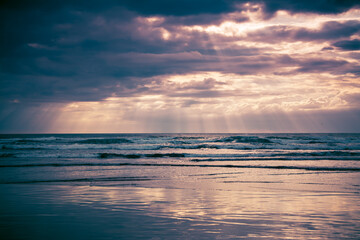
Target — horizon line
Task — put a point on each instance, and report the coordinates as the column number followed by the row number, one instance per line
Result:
column 134, row 133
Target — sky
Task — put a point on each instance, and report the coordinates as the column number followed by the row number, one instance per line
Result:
column 188, row 66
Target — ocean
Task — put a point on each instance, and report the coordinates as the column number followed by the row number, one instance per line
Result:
column 180, row 186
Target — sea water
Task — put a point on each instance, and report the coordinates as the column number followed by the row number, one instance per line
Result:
column 180, row 186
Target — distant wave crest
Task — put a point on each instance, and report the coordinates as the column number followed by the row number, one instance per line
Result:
column 246, row 139
column 104, row 141
column 308, row 168
column 6, row 155
column 133, row 156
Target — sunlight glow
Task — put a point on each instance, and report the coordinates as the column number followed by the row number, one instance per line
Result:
column 282, row 18
column 243, row 72
column 237, row 97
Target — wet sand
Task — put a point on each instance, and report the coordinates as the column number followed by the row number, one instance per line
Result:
column 186, row 203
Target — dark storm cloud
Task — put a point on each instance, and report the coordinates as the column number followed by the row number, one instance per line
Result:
column 201, row 19
column 191, row 7
column 86, row 50
column 180, row 8
column 348, row 45
column 187, row 7
column 146, row 65
column 320, row 6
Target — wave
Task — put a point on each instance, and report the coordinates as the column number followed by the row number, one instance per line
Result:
column 270, row 159
column 246, row 139
column 320, row 154
column 7, row 155
column 205, row 146
column 159, row 155
column 104, row 141
column 187, row 138
column 106, row 179
column 307, row 168
column 317, row 142
column 91, row 145
column 200, row 146
column 116, row 155
column 279, row 137
column 6, row 147
column 154, row 155
column 21, row 141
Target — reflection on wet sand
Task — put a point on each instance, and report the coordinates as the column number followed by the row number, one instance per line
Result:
column 182, row 203
column 269, row 213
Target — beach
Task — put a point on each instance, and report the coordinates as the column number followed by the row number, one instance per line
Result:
column 180, row 186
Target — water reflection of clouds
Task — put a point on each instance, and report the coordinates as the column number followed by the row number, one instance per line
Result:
column 288, row 213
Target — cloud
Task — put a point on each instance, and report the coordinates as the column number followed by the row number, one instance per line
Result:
column 180, row 8
column 353, row 99
column 322, row 65
column 348, row 45
column 328, row 31
column 321, row 7
column 187, row 7
column 59, row 52
column 207, row 83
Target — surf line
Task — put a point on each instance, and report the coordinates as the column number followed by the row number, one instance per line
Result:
column 180, row 165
